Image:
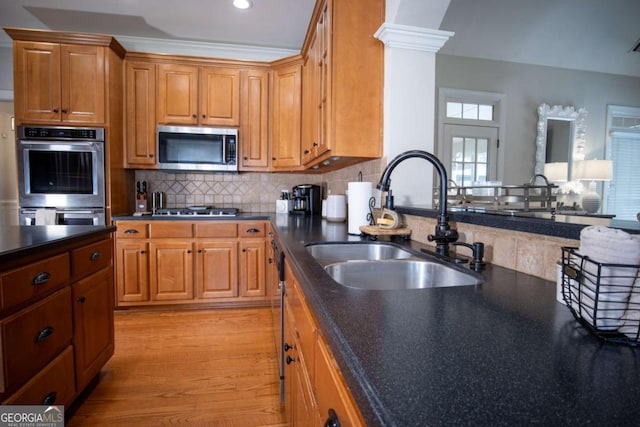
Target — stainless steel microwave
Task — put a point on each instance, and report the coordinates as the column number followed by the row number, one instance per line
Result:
column 197, row 148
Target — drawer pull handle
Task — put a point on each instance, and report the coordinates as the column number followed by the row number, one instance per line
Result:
column 131, row 231
column 44, row 334
column 253, row 230
column 95, row 256
column 50, row 398
column 41, row 278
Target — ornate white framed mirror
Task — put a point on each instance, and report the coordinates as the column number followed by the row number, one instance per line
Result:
column 561, row 136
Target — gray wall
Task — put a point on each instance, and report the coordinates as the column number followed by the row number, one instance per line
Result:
column 6, row 70
column 528, row 86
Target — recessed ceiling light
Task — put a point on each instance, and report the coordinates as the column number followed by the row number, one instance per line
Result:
column 242, row 4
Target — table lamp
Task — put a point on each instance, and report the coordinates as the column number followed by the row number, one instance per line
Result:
column 593, row 170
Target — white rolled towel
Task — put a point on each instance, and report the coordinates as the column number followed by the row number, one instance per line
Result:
column 605, row 296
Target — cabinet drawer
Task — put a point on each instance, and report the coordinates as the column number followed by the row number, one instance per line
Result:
column 251, row 229
column 170, row 229
column 53, row 385
column 131, row 230
column 33, row 280
column 33, row 336
column 89, row 259
column 216, row 229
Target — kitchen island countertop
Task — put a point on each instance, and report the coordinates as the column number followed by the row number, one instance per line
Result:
column 17, row 241
column 501, row 353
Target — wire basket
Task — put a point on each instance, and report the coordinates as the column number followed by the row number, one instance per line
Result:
column 603, row 297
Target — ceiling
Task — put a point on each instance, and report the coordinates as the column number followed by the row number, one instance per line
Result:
column 595, row 35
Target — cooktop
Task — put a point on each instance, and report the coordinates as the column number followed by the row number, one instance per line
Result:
column 196, row 210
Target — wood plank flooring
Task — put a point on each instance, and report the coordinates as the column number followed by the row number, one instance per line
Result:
column 191, row 367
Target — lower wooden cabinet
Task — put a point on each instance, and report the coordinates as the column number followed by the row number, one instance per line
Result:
column 314, row 386
column 55, row 341
column 191, row 262
column 93, row 302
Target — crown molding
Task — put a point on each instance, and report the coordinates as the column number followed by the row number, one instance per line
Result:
column 193, row 48
column 413, row 38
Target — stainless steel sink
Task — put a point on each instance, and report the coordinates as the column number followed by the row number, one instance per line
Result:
column 398, row 274
column 357, row 251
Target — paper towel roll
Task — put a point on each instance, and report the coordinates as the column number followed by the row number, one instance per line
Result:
column 358, row 197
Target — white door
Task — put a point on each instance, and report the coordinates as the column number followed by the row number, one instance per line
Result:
column 470, row 153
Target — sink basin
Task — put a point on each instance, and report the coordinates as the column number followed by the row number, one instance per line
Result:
column 357, row 251
column 398, row 274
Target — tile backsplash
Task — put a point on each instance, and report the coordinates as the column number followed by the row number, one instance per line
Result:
column 248, row 191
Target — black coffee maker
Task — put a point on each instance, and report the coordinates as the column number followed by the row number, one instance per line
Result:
column 307, row 200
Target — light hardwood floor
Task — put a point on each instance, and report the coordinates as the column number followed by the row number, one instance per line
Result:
column 191, row 367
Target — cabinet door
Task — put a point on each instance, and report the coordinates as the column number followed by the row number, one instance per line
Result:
column 83, row 83
column 252, row 267
column 323, row 82
column 254, row 130
column 287, row 84
column 132, row 271
column 36, row 81
column 177, row 94
column 171, row 267
column 217, row 269
column 140, row 114
column 93, row 325
column 219, row 96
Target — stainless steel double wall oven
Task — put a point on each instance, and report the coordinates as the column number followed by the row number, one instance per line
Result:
column 61, row 172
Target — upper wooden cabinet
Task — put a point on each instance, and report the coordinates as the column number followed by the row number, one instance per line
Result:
column 286, row 116
column 254, row 120
column 59, row 82
column 192, row 95
column 140, row 114
column 342, row 84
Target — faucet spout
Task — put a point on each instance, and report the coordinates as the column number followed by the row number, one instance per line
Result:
column 444, row 234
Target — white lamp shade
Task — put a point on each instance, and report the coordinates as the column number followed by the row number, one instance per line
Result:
column 556, row 172
column 594, row 170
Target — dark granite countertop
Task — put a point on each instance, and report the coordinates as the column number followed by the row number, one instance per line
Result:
column 17, row 241
column 501, row 353
column 148, row 217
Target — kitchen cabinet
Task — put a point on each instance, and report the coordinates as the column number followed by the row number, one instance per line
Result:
column 198, row 95
column 57, row 82
column 286, row 117
column 140, row 115
column 191, row 262
column 66, row 327
column 254, row 120
column 171, row 270
column 313, row 382
column 342, row 84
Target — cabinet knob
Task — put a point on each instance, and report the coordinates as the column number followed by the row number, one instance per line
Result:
column 273, row 158
column 50, row 398
column 203, row 116
column 142, row 252
column 64, row 111
column 332, row 419
column 306, row 151
column 290, row 360
column 189, row 251
column 287, row 347
column 200, row 251
column 81, row 300
column 315, row 144
column 95, row 256
column 246, row 158
column 151, row 155
column 194, row 116
column 44, row 333
column 55, row 110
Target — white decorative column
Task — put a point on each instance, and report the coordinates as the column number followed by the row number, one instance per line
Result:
column 409, row 106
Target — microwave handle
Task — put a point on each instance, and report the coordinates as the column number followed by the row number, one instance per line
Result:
column 224, row 148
